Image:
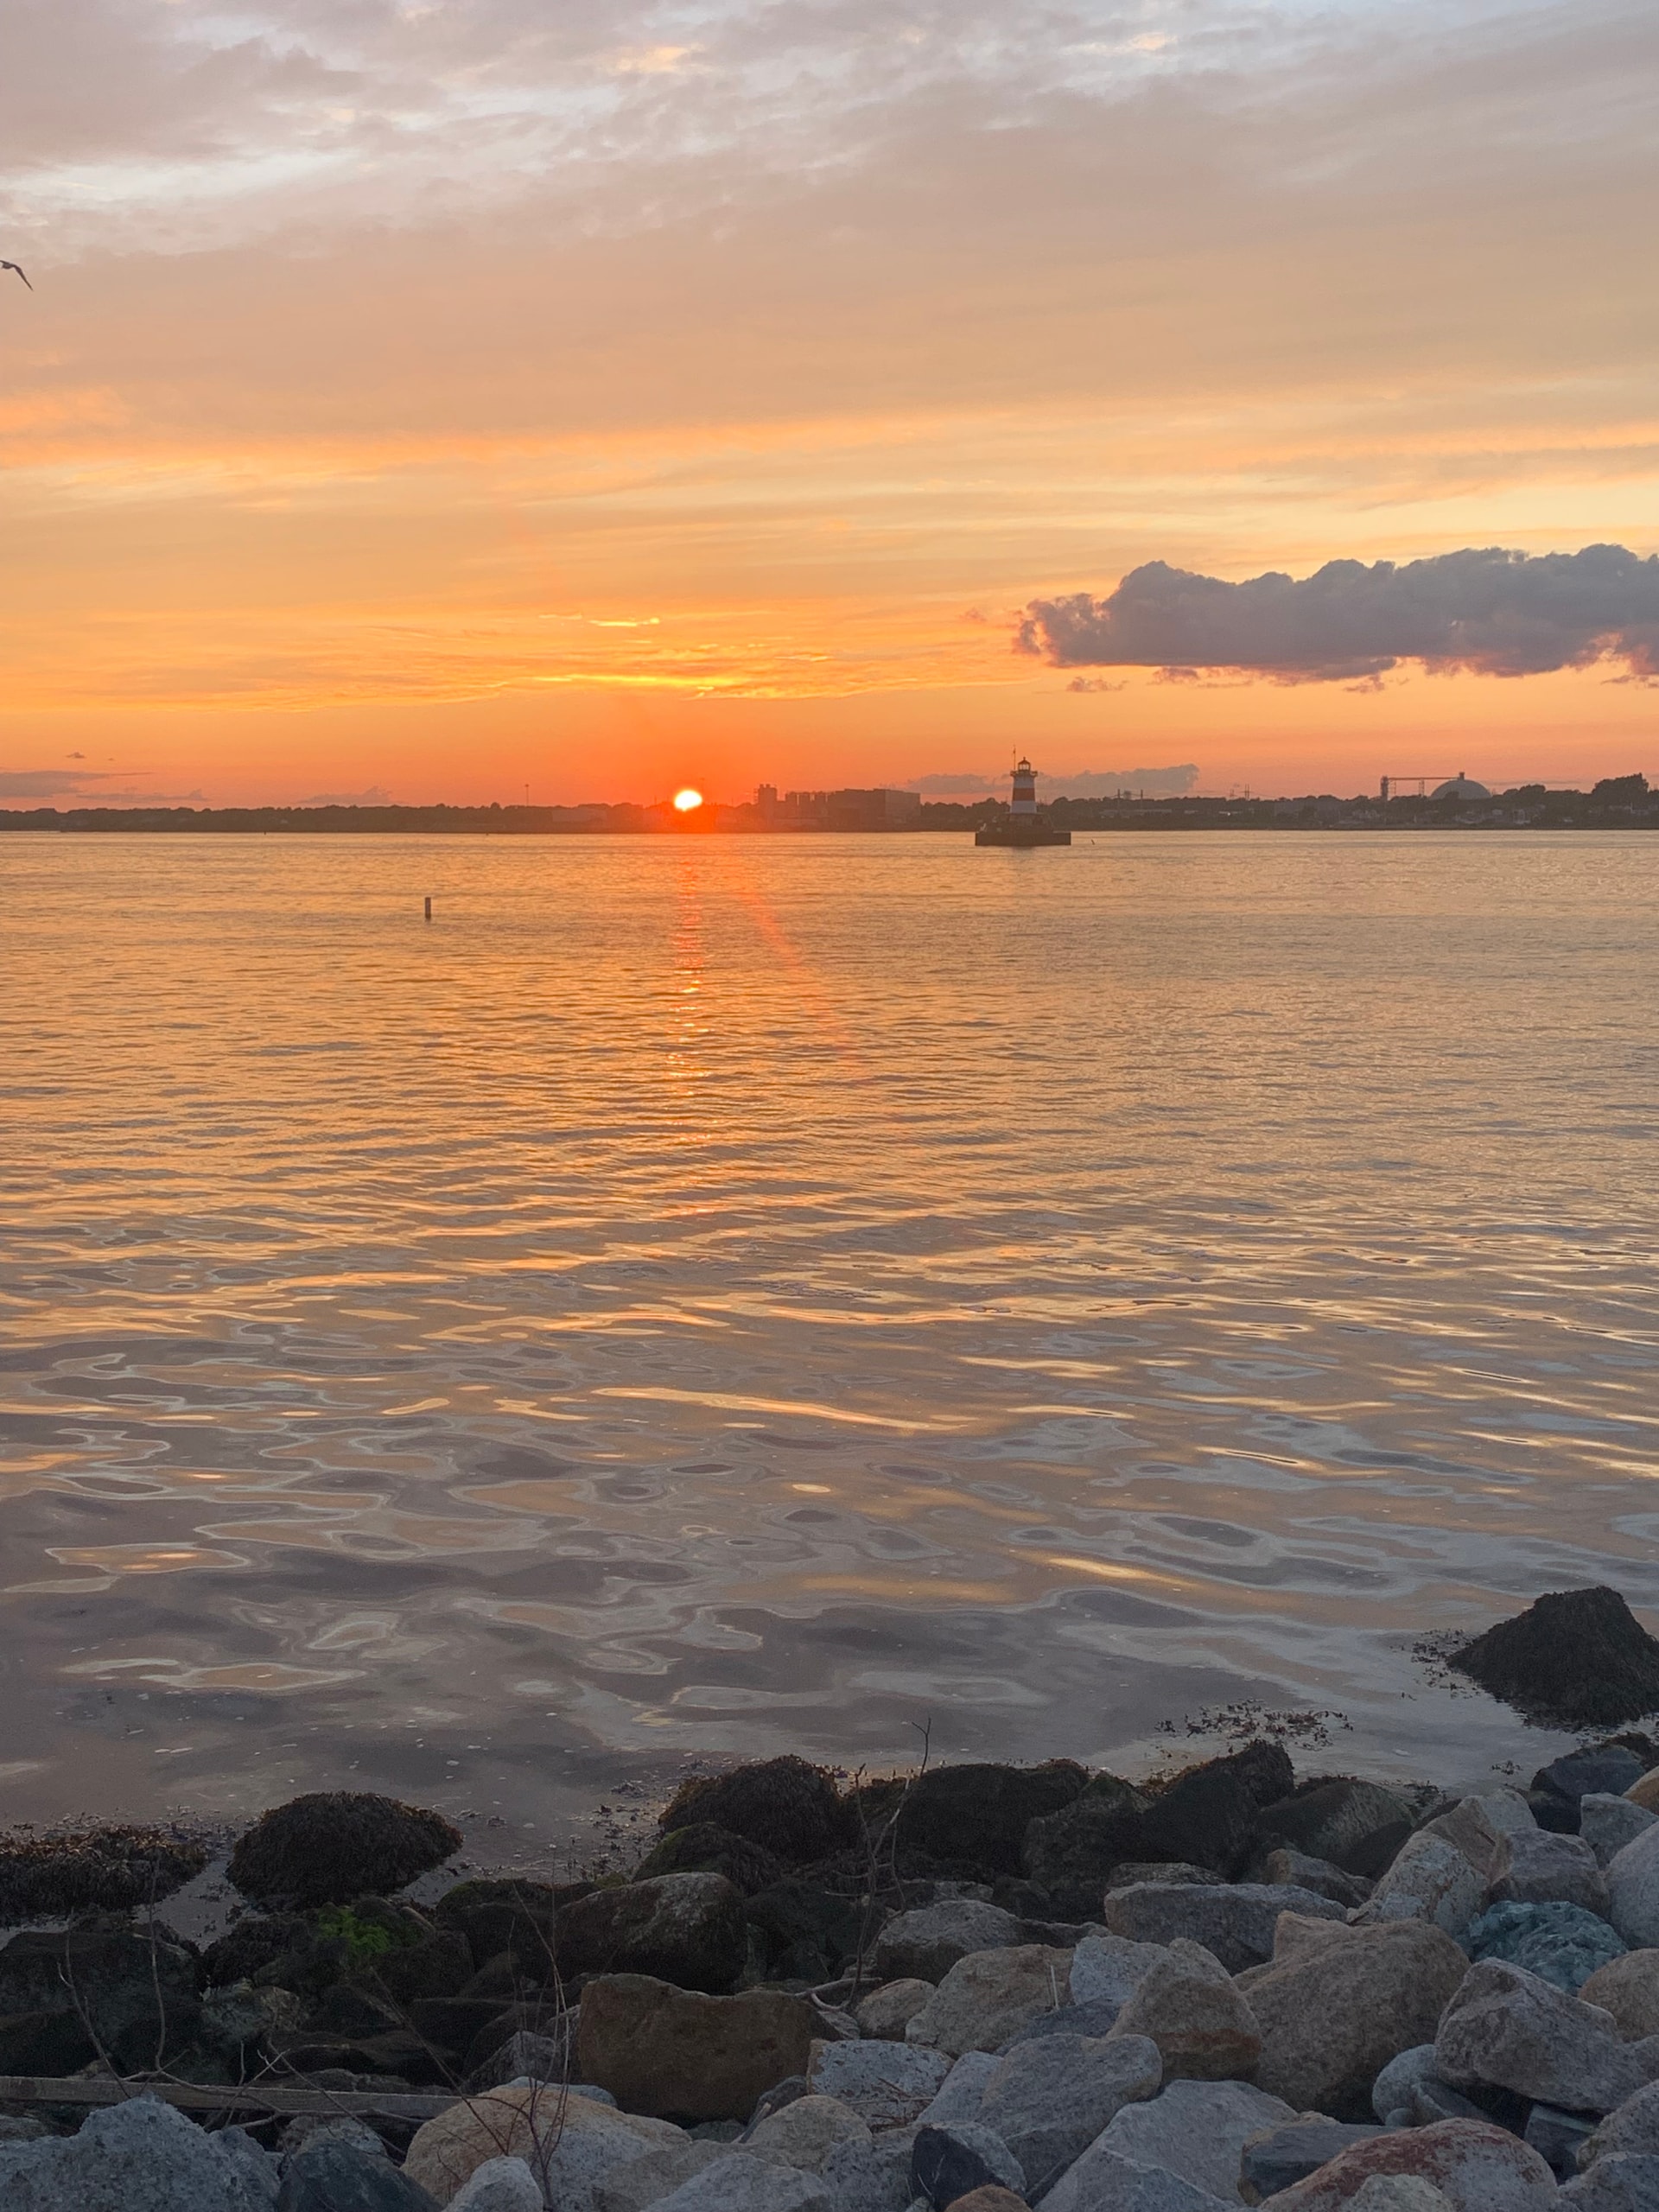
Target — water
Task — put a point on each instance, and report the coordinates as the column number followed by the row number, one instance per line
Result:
column 724, row 1295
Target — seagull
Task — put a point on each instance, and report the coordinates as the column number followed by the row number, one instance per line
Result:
column 16, row 272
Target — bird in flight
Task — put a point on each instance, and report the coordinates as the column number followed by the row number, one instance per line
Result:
column 16, row 272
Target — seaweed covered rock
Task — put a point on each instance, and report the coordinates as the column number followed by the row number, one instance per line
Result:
column 702, row 1848
column 800, row 1933
column 102, row 1870
column 1357, row 1825
column 335, row 1844
column 1577, row 1657
column 501, row 1913
column 786, row 1805
column 971, row 1815
column 685, row 1928
column 93, row 1990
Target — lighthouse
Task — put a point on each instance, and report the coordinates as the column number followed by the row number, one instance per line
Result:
column 1025, row 827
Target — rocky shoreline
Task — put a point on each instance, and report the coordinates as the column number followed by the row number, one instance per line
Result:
column 974, row 1985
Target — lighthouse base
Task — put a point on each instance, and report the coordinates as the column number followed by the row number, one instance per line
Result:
column 1022, row 831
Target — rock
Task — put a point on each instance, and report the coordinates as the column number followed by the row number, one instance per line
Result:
column 1188, row 2006
column 1399, row 2193
column 1634, row 2127
column 1557, row 2137
column 571, row 2142
column 1128, row 1872
column 1480, row 1828
column 1621, row 2184
column 1538, row 1868
column 1332, row 2019
column 805, row 2131
column 886, row 2084
column 804, row 1934
column 503, row 1916
column 1577, row 1657
column 873, row 2176
column 1645, row 1793
column 686, row 1928
column 1507, row 2029
column 1478, row 2167
column 1279, row 2157
column 1070, row 1855
column 97, row 1869
column 991, row 2197
column 887, row 2011
column 530, row 2056
column 963, row 2091
column 1103, row 2181
column 1355, row 1826
column 1110, row 1966
column 1628, row 1987
column 660, row 2050
column 138, row 2156
column 1048, row 2100
column 790, row 1808
column 1606, row 1770
column 1607, row 1824
column 948, row 2163
column 1562, row 1943
column 981, row 1812
column 639, row 2182
column 1633, row 1890
column 1236, row 1921
column 335, row 2176
column 499, row 2185
column 702, row 1848
column 923, row 1946
column 738, row 2182
column 989, row 1996
column 1289, row 1869
column 1095, row 2019
column 1196, row 2130
column 1395, row 2082
column 71, row 1997
column 328, row 2127
column 1430, row 1879
column 775, row 2100
column 336, row 1844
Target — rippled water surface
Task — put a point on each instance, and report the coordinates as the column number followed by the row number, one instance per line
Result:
column 714, row 1294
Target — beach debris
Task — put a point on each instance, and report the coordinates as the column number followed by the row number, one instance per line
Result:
column 109, row 1869
column 1579, row 1658
column 333, row 1846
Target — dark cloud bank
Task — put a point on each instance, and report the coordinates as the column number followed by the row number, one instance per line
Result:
column 1496, row 612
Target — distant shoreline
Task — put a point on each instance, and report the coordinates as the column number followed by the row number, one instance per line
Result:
column 1562, row 811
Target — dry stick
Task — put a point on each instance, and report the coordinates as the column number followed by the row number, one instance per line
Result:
column 887, row 1836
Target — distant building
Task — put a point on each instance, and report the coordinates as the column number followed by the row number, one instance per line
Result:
column 874, row 809
column 1460, row 787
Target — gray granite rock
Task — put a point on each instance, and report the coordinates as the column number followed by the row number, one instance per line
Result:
column 886, row 2084
column 1196, row 2014
column 1557, row 2137
column 872, row 2176
column 963, row 2091
column 1633, row 1890
column 887, row 2011
column 338, row 2178
column 805, row 2131
column 1294, row 1869
column 1634, row 2126
column 1623, row 2183
column 138, row 2156
column 1048, row 2100
column 1102, row 2181
column 948, row 2163
column 499, row 2185
column 1196, row 2130
column 991, row 1995
column 924, row 1945
column 1235, row 1921
column 1399, row 2077
column 741, row 2183
column 1607, row 1824
column 1399, row 2193
column 639, row 2182
column 1097, row 2018
column 1431, row 1879
column 1537, row 1867
column 1510, row 2029
column 1109, row 1967
column 1272, row 2162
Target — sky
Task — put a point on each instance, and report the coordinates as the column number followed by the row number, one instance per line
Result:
column 455, row 398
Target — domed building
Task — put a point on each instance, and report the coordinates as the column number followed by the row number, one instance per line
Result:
column 1460, row 787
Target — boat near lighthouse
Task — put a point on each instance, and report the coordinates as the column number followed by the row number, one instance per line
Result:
column 1024, row 826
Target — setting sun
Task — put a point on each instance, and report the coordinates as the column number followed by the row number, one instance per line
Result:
column 688, row 801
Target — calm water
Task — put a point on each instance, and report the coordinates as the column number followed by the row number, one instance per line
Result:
column 730, row 1296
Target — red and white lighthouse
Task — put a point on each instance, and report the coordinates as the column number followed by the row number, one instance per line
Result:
column 1025, row 789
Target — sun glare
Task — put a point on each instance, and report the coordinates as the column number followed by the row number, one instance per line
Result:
column 688, row 800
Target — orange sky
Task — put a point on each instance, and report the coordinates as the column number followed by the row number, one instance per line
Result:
column 431, row 397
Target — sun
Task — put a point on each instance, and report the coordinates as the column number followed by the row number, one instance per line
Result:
column 688, row 801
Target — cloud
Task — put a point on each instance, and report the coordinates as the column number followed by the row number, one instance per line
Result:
column 1483, row 609
column 86, row 785
column 952, row 783
column 1084, row 782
